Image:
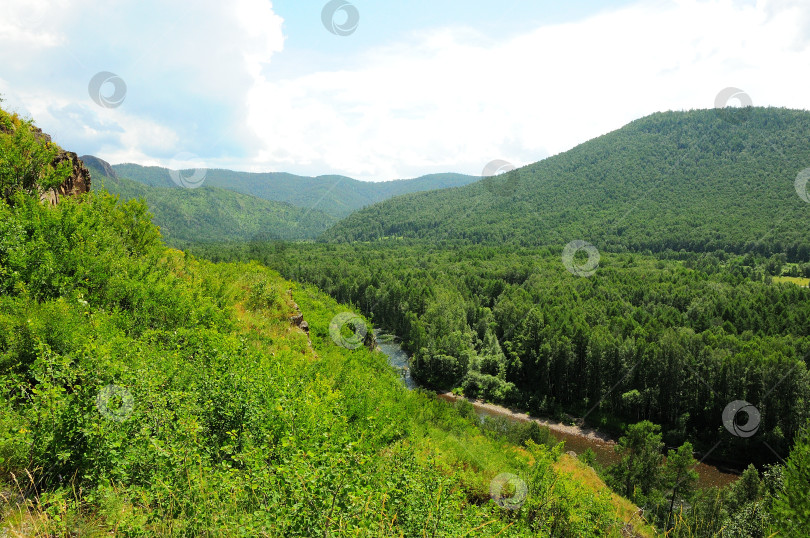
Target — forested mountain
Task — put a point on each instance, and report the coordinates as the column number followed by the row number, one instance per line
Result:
column 337, row 196
column 146, row 392
column 211, row 213
column 698, row 180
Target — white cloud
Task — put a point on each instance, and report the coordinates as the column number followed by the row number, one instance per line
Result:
column 187, row 67
column 454, row 100
column 450, row 99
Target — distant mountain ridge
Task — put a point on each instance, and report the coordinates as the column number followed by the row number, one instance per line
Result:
column 211, row 214
column 100, row 165
column 334, row 195
column 671, row 180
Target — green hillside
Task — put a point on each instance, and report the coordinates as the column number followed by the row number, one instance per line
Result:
column 337, row 196
column 210, row 214
column 144, row 392
column 673, row 180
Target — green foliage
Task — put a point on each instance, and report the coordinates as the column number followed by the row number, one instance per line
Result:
column 679, row 476
column 792, row 506
column 641, row 459
column 589, row 458
column 747, row 507
column 518, row 433
column 27, row 159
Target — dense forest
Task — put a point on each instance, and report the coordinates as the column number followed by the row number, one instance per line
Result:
column 669, row 341
column 669, row 181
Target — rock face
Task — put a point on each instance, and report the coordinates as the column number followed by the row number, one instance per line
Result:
column 297, row 318
column 77, row 183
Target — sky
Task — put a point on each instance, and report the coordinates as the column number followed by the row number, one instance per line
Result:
column 380, row 90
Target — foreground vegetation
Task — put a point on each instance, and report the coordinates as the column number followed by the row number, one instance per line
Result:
column 144, row 392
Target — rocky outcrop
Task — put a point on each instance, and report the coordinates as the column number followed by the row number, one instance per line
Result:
column 297, row 318
column 77, row 183
column 370, row 341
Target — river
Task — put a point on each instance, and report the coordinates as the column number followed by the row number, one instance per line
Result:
column 576, row 438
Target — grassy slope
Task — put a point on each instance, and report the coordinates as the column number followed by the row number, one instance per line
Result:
column 236, row 424
column 589, row 479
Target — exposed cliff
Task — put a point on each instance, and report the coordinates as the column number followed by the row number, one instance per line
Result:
column 77, row 182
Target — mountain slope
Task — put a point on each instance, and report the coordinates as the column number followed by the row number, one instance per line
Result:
column 673, row 180
column 334, row 195
column 210, row 214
